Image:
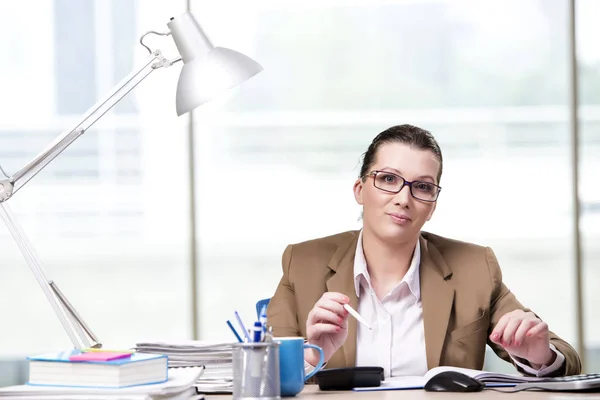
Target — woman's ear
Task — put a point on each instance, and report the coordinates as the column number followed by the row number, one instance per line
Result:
column 358, row 191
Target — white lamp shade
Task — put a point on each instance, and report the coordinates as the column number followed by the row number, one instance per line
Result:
column 204, row 78
column 207, row 70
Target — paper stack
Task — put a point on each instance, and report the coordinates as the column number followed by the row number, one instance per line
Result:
column 215, row 357
column 180, row 385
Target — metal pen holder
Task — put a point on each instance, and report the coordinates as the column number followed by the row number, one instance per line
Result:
column 256, row 371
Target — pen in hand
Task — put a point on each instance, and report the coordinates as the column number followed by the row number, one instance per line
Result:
column 356, row 315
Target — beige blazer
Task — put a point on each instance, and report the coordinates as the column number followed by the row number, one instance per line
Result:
column 462, row 294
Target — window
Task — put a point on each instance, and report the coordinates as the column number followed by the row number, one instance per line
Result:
column 108, row 216
column 489, row 80
column 589, row 149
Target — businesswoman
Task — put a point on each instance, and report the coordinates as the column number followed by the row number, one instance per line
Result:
column 428, row 300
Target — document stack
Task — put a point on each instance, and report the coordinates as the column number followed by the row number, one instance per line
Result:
column 215, row 357
column 180, row 385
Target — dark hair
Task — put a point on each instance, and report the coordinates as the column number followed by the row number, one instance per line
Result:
column 407, row 134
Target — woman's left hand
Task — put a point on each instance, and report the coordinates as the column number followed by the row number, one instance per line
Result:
column 524, row 335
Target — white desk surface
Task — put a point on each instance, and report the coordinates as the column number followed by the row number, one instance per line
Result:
column 312, row 392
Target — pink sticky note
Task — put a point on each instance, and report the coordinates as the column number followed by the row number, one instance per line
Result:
column 99, row 356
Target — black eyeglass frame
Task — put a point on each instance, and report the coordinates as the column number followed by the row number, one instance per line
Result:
column 404, row 183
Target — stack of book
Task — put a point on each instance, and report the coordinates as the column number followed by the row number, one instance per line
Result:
column 97, row 369
column 104, row 374
column 215, row 357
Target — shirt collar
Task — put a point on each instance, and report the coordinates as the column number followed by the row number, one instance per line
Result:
column 411, row 278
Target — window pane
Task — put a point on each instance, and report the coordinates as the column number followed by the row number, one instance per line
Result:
column 75, row 55
column 589, row 150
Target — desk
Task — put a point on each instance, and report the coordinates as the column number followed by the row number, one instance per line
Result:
column 312, row 392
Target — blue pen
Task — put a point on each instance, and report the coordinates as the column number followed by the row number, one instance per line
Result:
column 234, row 331
column 239, row 320
column 263, row 319
column 257, row 332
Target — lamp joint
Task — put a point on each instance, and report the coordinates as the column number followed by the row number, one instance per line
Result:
column 6, row 190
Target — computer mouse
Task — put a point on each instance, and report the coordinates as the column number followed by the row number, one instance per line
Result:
column 453, row 381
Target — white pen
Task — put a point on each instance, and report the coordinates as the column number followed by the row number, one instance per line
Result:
column 356, row 315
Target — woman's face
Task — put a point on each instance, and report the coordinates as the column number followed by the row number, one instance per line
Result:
column 397, row 217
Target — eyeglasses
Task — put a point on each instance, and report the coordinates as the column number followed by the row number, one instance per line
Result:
column 392, row 183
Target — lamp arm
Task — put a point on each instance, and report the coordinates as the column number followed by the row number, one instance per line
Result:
column 10, row 186
column 78, row 331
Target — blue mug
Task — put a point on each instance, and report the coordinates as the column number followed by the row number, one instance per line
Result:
column 291, row 364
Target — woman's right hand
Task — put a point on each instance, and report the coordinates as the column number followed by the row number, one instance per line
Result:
column 327, row 326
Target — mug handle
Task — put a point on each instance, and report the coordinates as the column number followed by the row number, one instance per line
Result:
column 321, row 360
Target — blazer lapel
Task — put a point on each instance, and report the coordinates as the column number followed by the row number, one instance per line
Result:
column 342, row 281
column 437, row 297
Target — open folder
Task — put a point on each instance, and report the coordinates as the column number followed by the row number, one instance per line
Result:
column 490, row 379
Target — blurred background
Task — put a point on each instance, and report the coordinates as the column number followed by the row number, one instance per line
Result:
column 276, row 159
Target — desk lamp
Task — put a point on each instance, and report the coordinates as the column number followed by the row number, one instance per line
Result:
column 207, row 71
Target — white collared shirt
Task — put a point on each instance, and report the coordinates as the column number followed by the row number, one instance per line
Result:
column 397, row 339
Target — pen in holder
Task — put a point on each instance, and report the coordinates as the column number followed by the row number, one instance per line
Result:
column 256, row 371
